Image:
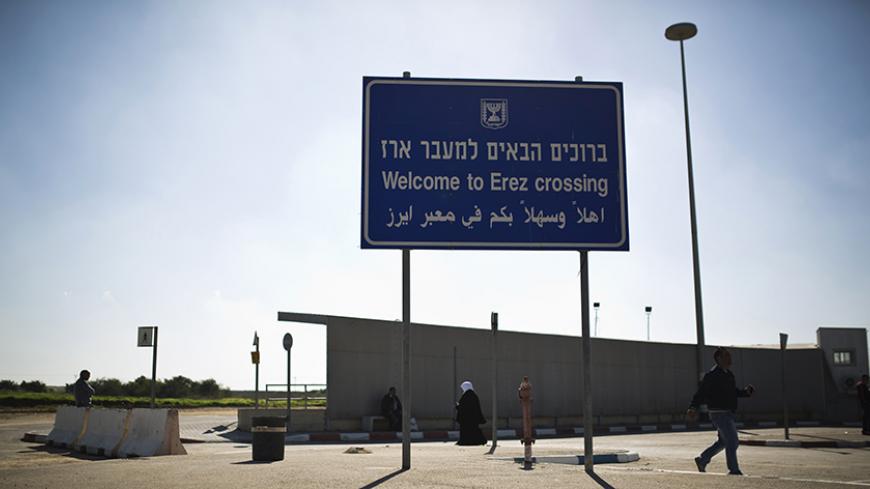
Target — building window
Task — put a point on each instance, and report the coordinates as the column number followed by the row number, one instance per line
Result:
column 843, row 358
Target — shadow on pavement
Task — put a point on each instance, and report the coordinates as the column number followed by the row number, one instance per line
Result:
column 598, row 480
column 383, row 479
column 816, row 437
column 219, row 428
column 66, row 452
column 236, row 436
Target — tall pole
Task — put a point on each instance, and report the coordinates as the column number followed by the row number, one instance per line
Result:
column 783, row 342
column 681, row 32
column 406, row 359
column 494, row 369
column 406, row 350
column 648, row 311
column 696, row 261
column 289, row 386
column 154, row 370
column 454, row 384
column 257, row 374
column 596, row 305
column 587, row 362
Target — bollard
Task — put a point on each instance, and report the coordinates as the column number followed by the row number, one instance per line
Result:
column 525, row 393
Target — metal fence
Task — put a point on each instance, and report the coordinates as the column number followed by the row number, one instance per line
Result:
column 298, row 392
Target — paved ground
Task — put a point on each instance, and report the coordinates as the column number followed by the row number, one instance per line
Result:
column 666, row 462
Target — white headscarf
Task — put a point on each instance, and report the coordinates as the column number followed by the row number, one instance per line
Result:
column 466, row 386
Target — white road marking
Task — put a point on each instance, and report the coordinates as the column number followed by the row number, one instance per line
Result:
column 861, row 483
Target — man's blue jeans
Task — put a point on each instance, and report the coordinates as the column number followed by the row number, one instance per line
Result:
column 724, row 423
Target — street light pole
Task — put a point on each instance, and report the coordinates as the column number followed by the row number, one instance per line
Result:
column 648, row 311
column 681, row 32
column 596, row 305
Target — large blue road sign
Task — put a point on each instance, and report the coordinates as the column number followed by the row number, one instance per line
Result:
column 488, row 164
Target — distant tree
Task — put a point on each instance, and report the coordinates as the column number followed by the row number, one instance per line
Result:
column 108, row 387
column 208, row 388
column 8, row 385
column 141, row 387
column 178, row 386
column 33, row 386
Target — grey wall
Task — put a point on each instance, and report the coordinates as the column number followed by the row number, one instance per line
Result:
column 630, row 378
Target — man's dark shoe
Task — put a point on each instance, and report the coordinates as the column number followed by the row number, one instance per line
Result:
column 702, row 467
column 735, row 473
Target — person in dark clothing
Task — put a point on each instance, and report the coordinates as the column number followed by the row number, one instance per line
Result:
column 82, row 391
column 470, row 417
column 719, row 391
column 391, row 408
column 863, row 389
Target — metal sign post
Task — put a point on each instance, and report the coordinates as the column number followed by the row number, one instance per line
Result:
column 494, row 369
column 406, row 350
column 588, row 426
column 406, row 359
column 288, row 344
column 255, row 359
column 783, row 343
column 147, row 336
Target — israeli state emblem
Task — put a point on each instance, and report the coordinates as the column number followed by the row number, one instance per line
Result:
column 493, row 113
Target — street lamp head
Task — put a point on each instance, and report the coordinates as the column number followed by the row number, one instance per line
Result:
column 681, row 31
column 596, row 305
column 647, row 309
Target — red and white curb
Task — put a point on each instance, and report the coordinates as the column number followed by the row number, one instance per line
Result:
column 509, row 434
column 601, row 458
column 806, row 444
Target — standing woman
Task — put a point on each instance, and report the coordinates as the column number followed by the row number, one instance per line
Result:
column 470, row 417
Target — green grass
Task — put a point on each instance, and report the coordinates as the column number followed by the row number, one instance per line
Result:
column 297, row 403
column 15, row 399
column 42, row 400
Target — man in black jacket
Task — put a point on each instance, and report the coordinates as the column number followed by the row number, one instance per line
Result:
column 719, row 392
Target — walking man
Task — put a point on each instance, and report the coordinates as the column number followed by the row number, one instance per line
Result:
column 719, row 392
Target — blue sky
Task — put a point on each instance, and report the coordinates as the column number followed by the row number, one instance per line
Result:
column 196, row 165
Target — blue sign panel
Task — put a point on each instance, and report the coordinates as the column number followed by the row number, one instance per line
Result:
column 487, row 164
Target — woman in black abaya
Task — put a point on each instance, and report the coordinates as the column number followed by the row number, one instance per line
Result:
column 470, row 417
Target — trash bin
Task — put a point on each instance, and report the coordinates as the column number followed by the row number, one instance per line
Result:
column 268, row 438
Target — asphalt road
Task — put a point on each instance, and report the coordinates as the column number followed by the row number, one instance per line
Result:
column 666, row 462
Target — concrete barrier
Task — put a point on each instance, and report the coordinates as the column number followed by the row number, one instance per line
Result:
column 152, row 432
column 70, row 424
column 105, row 431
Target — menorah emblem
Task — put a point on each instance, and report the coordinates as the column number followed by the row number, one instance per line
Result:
column 493, row 113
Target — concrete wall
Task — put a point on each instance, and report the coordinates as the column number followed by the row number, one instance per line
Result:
column 632, row 381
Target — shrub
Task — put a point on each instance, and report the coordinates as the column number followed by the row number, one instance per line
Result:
column 178, row 386
column 33, row 386
column 108, row 387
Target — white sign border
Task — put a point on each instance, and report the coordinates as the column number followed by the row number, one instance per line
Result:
column 487, row 244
